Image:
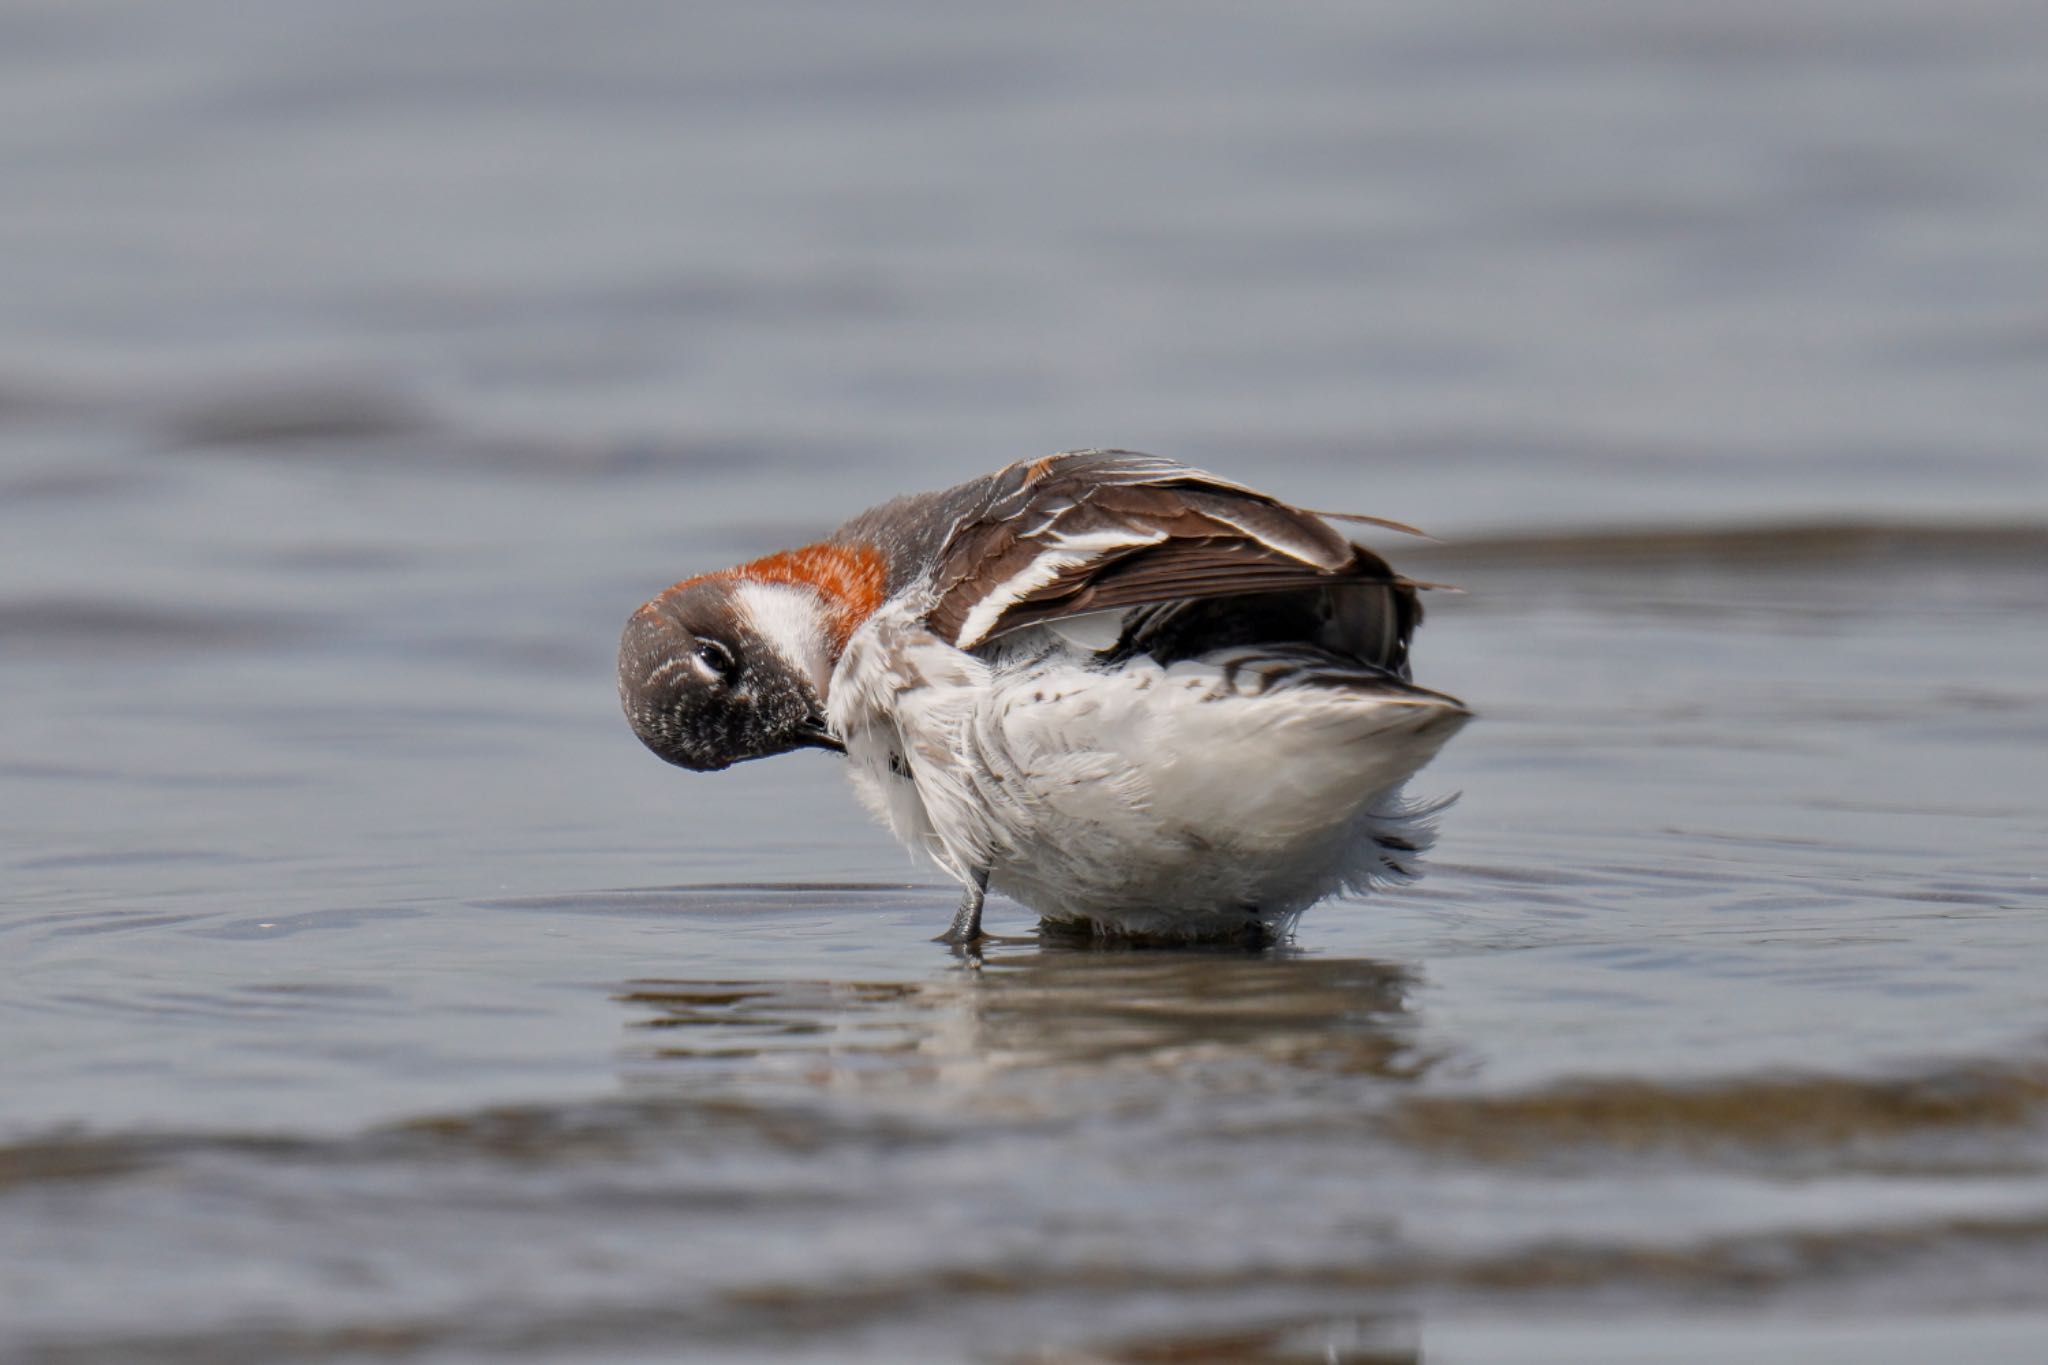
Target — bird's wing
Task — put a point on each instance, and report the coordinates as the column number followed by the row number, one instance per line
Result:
column 1092, row 530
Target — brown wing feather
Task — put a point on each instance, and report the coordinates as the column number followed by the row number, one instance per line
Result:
column 1095, row 530
column 1176, row 570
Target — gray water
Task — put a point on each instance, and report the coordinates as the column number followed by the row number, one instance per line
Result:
column 366, row 993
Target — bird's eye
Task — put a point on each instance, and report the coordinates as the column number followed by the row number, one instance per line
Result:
column 718, row 658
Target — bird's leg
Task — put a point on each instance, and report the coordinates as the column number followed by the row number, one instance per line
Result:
column 966, row 926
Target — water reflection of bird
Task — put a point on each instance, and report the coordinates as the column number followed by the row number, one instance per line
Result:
column 1140, row 699
column 1185, row 1013
column 1067, row 1007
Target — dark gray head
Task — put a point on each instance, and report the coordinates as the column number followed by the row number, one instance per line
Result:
column 704, row 689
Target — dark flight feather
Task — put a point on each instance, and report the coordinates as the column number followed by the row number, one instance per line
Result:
column 1098, row 530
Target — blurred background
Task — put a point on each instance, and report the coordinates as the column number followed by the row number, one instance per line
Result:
column 366, row 992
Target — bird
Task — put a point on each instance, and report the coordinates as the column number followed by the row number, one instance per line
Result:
column 1144, row 701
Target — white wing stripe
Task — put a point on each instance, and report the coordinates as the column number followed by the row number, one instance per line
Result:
column 1058, row 556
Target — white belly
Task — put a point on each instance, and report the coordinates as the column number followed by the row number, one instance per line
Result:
column 1185, row 800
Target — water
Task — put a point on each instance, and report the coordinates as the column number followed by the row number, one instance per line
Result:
column 366, row 993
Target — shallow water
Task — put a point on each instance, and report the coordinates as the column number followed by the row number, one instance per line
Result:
column 368, row 993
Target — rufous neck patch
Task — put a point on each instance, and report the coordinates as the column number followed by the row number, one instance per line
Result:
column 851, row 579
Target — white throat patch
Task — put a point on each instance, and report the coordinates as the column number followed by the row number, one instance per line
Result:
column 791, row 618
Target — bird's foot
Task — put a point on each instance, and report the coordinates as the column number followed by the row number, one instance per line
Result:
column 965, row 930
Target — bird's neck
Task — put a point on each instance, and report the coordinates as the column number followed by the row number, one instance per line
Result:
column 851, row 580
column 795, row 621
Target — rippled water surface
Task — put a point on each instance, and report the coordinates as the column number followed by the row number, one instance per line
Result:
column 367, row 993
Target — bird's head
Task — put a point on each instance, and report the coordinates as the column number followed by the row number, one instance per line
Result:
column 718, row 670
